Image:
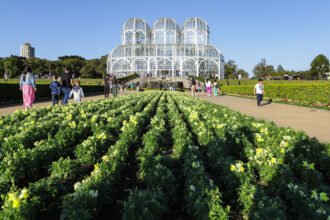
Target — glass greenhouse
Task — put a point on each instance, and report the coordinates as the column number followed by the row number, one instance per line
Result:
column 166, row 49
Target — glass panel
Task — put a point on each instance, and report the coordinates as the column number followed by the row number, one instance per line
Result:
column 165, row 64
column 140, row 65
column 201, row 37
column 159, row 37
column 129, row 38
column 170, row 37
column 189, row 37
column 140, row 37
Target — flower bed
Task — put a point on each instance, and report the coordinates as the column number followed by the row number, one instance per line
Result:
column 158, row 155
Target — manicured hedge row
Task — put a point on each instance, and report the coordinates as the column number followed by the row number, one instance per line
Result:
column 305, row 93
column 11, row 93
column 233, row 82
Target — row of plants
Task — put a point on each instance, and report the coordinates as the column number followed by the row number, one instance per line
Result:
column 64, row 172
column 202, row 196
column 264, row 169
column 29, row 164
column 153, row 201
column 92, row 193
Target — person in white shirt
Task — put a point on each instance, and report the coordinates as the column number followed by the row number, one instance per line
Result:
column 77, row 93
column 259, row 91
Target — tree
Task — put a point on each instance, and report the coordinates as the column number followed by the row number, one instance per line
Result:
column 71, row 57
column 262, row 69
column 89, row 70
column 319, row 66
column 280, row 69
column 14, row 65
column 74, row 64
column 230, row 69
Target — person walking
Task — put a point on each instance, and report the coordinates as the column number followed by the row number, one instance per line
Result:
column 77, row 93
column 28, row 87
column 138, row 86
column 193, row 87
column 114, row 86
column 199, row 87
column 215, row 88
column 67, row 83
column 55, row 89
column 208, row 86
column 259, row 91
column 5, row 76
column 106, row 86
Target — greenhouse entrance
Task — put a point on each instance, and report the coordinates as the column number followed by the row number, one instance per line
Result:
column 164, row 73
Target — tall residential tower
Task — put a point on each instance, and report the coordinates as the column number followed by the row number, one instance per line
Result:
column 27, row 51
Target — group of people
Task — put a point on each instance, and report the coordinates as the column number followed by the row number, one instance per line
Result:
column 214, row 88
column 64, row 84
column 110, row 85
column 208, row 87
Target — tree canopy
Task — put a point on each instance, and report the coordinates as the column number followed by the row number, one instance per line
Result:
column 319, row 66
column 14, row 66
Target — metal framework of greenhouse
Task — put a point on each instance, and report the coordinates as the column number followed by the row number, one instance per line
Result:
column 166, row 49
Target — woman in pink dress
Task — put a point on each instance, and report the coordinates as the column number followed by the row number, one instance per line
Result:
column 28, row 87
column 208, row 86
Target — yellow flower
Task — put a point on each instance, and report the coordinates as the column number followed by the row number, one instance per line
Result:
column 102, row 136
column 24, row 194
column 259, row 150
column 282, row 151
column 232, row 168
column 241, row 169
column 16, row 203
column 273, row 160
column 96, row 167
column 73, row 124
column 105, row 158
column 12, row 197
column 259, row 138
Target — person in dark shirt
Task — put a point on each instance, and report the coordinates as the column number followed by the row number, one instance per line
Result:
column 114, row 86
column 67, row 82
column 55, row 89
column 106, row 86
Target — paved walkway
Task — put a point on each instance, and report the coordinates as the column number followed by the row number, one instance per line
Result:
column 316, row 123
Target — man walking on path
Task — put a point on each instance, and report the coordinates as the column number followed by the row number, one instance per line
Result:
column 259, row 91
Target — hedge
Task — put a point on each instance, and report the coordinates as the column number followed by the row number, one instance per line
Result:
column 315, row 94
column 233, row 82
column 10, row 93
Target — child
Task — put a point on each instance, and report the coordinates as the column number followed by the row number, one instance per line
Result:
column 77, row 92
column 55, row 88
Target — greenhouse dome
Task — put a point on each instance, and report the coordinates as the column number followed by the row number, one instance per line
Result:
column 166, row 49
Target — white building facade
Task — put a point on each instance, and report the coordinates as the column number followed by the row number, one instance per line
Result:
column 27, row 50
column 166, row 49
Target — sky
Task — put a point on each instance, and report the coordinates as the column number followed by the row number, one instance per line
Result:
column 286, row 32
